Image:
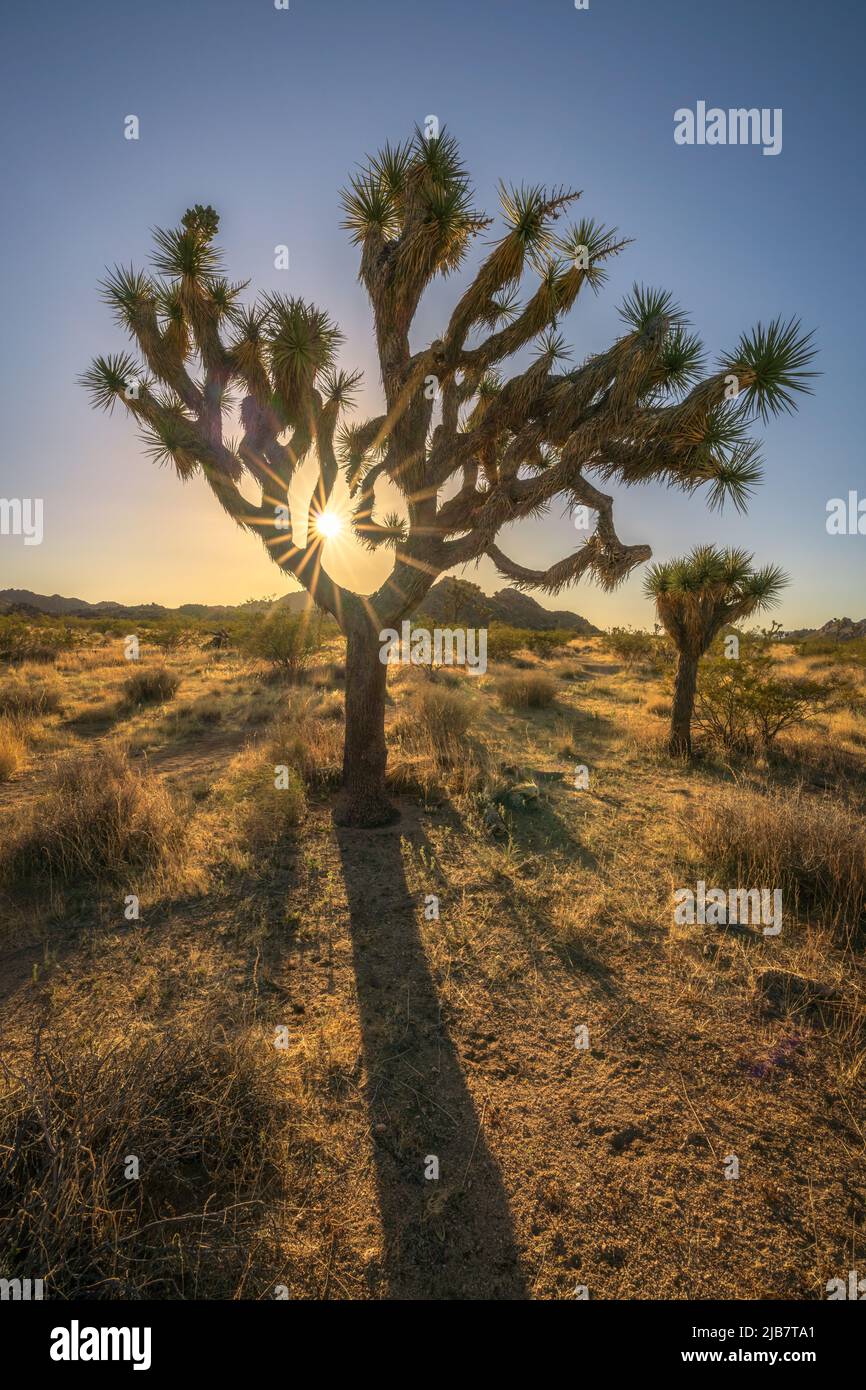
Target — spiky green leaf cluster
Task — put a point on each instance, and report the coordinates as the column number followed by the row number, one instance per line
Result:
column 698, row 594
column 773, row 363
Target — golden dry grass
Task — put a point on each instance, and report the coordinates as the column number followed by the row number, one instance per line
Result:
column 150, row 687
column 409, row 1033
column 529, row 691
column 811, row 847
column 99, row 819
column 13, row 748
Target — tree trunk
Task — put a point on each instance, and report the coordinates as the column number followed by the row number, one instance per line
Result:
column 680, row 741
column 363, row 801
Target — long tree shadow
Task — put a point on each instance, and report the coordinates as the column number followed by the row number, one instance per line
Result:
column 449, row 1237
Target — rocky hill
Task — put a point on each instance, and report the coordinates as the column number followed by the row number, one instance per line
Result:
column 457, row 601
column 25, row 601
column 838, row 629
column 449, row 601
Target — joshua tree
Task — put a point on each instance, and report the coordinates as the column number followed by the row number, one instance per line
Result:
column 695, row 598
column 468, row 450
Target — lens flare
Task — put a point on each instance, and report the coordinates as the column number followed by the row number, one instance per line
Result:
column 328, row 524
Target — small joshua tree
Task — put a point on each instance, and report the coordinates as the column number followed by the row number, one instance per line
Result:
column 468, row 450
column 695, row 598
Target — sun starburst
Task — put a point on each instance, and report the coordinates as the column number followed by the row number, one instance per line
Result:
column 329, row 524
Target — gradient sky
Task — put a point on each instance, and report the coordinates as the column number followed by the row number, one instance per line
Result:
column 263, row 113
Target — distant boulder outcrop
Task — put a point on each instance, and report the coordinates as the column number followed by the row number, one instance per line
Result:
column 837, row 629
column 458, row 601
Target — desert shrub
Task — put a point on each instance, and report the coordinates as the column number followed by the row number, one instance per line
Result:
column 201, row 713
column 100, row 819
column 172, row 635
column 835, row 653
column 744, row 704
column 530, row 691
column 327, row 676
column 150, row 687
column 206, row 1106
column 26, row 694
column 547, row 640
column 813, row 848
column 287, row 640
column 332, row 706
column 503, row 641
column 432, row 753
column 632, row 648
column 13, row 749
column 35, row 639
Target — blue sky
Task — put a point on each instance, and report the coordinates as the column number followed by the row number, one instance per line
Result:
column 263, row 113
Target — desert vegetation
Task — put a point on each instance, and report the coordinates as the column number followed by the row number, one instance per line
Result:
column 299, row 1013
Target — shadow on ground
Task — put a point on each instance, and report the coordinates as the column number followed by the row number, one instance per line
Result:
column 446, row 1238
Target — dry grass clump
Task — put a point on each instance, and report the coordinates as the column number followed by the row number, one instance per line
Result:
column 660, row 708
column 13, row 748
column 152, row 687
column 272, row 799
column 256, row 805
column 534, row 690
column 811, row 847
column 307, row 737
column 441, row 713
column 101, row 819
column 203, row 1111
column 200, row 714
column 431, row 754
column 26, row 694
column 263, row 796
column 822, row 759
column 565, row 671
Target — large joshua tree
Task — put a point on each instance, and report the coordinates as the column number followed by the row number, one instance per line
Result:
column 695, row 598
column 468, row 450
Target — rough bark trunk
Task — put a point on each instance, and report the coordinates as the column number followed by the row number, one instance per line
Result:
column 680, row 741
column 363, row 801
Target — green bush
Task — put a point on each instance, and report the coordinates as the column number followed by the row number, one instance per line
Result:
column 546, row 640
column 835, row 653
column 744, row 704
column 171, row 635
column 287, row 640
column 37, row 639
column 635, row 648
